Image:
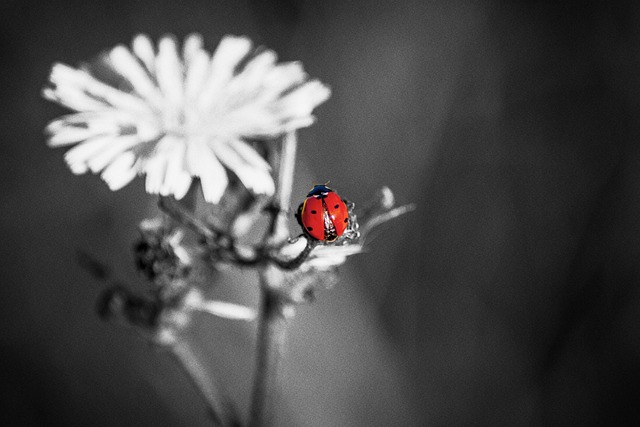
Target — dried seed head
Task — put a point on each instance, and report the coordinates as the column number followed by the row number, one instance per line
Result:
column 159, row 254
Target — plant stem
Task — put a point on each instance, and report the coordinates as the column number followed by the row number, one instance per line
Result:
column 272, row 327
column 271, row 341
column 216, row 407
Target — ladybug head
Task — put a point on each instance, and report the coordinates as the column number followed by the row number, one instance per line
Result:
column 319, row 190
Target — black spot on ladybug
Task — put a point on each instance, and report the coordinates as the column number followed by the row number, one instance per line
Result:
column 336, row 206
column 314, row 212
column 346, row 220
column 309, row 228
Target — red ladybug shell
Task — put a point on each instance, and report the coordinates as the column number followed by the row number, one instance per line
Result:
column 337, row 211
column 324, row 216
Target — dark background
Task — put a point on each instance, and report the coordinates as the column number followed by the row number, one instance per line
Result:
column 510, row 297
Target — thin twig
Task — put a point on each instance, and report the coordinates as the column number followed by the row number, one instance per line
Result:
column 386, row 216
column 218, row 410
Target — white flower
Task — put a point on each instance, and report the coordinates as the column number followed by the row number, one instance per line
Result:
column 173, row 117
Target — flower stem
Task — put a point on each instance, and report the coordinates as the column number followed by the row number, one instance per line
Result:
column 218, row 410
column 272, row 327
column 271, row 341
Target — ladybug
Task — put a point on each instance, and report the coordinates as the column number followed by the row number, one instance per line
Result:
column 323, row 215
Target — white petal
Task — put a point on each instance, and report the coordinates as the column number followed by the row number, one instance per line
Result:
column 253, row 73
column 195, row 78
column 120, row 172
column 286, row 75
column 169, row 71
column 65, row 77
column 192, row 46
column 250, row 155
column 143, row 48
column 73, row 98
column 226, row 58
column 74, row 128
column 252, row 120
column 117, row 146
column 258, row 180
column 176, row 179
column 280, row 79
column 149, row 128
column 213, row 178
column 181, row 187
column 78, row 157
column 128, row 66
column 71, row 135
column 154, row 169
column 304, row 99
column 107, row 119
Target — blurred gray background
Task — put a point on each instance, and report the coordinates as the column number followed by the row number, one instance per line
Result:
column 510, row 297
